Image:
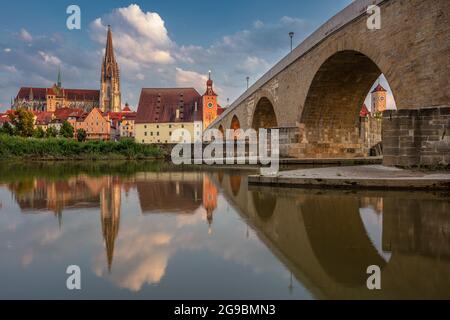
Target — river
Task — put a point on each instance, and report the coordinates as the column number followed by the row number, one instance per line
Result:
column 148, row 230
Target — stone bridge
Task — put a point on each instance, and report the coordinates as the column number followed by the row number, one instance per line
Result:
column 327, row 241
column 315, row 93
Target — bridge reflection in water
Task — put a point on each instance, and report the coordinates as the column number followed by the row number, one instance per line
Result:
column 325, row 238
column 328, row 238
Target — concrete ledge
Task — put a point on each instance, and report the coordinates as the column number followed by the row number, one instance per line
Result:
column 335, row 161
column 369, row 176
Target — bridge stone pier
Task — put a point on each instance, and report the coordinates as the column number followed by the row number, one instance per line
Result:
column 315, row 93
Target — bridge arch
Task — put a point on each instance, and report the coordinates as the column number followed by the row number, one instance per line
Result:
column 264, row 115
column 264, row 204
column 333, row 226
column 235, row 125
column 235, row 184
column 222, row 131
column 329, row 120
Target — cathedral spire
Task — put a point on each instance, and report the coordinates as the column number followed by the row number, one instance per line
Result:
column 110, row 95
column 109, row 53
column 59, row 83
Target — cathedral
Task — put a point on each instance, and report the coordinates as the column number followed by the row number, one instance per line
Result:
column 110, row 79
column 108, row 98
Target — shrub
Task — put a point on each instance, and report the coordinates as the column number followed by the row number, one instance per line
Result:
column 66, row 130
column 81, row 135
column 59, row 148
column 51, row 132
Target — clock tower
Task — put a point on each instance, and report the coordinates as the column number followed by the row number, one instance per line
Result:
column 379, row 99
column 209, row 104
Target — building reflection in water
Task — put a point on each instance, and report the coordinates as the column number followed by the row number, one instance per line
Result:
column 159, row 193
column 110, row 204
column 326, row 239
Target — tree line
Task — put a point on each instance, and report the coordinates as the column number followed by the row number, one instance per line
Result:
column 22, row 124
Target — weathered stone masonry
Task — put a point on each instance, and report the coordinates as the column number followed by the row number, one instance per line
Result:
column 417, row 137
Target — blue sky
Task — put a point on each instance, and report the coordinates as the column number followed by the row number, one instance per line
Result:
column 158, row 43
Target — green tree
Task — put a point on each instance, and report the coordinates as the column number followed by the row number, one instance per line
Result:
column 7, row 129
column 23, row 121
column 39, row 133
column 51, row 132
column 66, row 130
column 81, row 135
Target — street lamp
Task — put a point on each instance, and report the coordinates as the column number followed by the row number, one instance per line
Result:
column 291, row 35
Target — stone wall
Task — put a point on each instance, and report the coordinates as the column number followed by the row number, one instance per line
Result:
column 370, row 134
column 419, row 137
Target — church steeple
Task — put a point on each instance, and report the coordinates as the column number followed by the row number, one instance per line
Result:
column 110, row 95
column 109, row 53
column 59, row 82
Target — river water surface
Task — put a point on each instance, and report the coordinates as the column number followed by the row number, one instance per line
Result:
column 152, row 231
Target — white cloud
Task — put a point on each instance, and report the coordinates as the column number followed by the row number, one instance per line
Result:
column 252, row 65
column 138, row 36
column 50, row 59
column 7, row 49
column 10, row 69
column 25, row 35
column 185, row 78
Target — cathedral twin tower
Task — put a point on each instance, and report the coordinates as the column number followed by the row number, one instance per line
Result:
column 110, row 97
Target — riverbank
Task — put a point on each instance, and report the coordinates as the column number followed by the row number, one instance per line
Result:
column 369, row 176
column 13, row 147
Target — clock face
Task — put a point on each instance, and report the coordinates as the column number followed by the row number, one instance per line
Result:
column 210, row 105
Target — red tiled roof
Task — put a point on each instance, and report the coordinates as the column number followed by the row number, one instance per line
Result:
column 158, row 105
column 71, row 94
column 130, row 116
column 38, row 93
column 43, row 117
column 122, row 115
column 364, row 111
column 220, row 110
column 82, row 94
column 126, row 109
column 65, row 113
column 4, row 118
column 379, row 88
